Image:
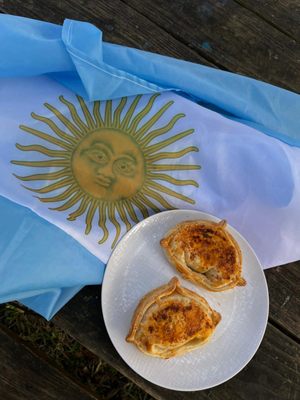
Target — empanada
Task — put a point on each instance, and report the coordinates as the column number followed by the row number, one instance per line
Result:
column 171, row 320
column 205, row 253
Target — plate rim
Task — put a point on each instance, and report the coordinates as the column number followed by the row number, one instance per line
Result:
column 259, row 339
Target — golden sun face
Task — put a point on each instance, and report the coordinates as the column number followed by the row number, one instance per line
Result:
column 107, row 164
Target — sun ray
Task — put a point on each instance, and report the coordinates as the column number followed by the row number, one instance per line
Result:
column 46, row 137
column 131, row 211
column 63, row 135
column 74, row 114
column 155, row 147
column 135, row 200
column 80, row 210
column 108, row 113
column 90, row 216
column 172, row 167
column 112, row 217
column 148, row 125
column 70, row 203
column 170, row 155
column 170, row 179
column 156, row 196
column 97, row 115
column 149, row 203
column 65, row 121
column 123, row 216
column 44, row 177
column 54, row 186
column 43, row 150
column 158, row 132
column 47, row 163
column 118, row 111
column 137, row 119
column 126, row 120
column 170, row 192
column 102, row 222
column 60, row 197
column 86, row 112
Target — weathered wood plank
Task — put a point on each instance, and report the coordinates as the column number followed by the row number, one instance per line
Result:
column 284, row 14
column 271, row 374
column 25, row 375
column 284, row 290
column 120, row 24
column 230, row 35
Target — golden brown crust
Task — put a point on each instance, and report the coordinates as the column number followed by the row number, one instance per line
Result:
column 205, row 253
column 171, row 320
column 147, row 300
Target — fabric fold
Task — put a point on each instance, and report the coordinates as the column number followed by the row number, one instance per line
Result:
column 43, row 263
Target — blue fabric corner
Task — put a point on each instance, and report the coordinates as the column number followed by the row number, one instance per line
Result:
column 40, row 265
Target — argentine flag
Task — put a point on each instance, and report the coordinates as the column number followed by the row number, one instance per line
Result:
column 80, row 167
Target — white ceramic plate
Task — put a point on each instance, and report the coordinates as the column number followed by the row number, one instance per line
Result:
column 139, row 265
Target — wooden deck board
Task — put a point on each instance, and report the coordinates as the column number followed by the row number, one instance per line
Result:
column 229, row 35
column 25, row 375
column 284, row 290
column 283, row 14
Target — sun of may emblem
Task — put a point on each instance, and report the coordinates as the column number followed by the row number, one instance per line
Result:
column 104, row 165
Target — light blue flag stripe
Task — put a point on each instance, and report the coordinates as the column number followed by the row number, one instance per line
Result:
column 76, row 56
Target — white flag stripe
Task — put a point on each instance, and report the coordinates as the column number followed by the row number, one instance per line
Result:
column 96, row 169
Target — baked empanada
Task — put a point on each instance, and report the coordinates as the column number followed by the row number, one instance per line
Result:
column 205, row 253
column 172, row 320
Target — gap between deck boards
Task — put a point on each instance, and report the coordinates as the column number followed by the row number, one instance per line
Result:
column 283, row 330
column 264, row 18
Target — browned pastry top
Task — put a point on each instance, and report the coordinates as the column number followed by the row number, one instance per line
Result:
column 205, row 253
column 172, row 320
